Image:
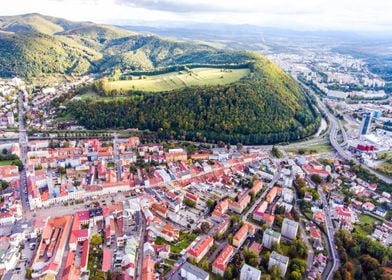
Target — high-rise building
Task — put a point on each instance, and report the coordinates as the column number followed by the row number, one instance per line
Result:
column 289, row 228
column 278, row 260
column 270, row 237
column 366, row 123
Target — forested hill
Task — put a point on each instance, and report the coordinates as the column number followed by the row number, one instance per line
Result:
column 33, row 45
column 265, row 107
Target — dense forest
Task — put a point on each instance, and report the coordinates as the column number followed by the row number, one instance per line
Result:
column 265, row 107
column 361, row 257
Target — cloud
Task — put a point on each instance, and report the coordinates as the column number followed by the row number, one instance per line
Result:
column 177, row 6
column 296, row 14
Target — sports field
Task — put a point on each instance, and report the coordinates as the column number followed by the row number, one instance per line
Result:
column 175, row 80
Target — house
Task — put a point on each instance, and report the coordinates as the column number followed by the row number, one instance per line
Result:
column 288, row 195
column 381, row 212
column 289, row 228
column 259, row 211
column 54, row 239
column 200, row 249
column 159, row 209
column 176, row 155
column 308, row 197
column 148, row 268
column 256, row 247
column 272, row 194
column 241, row 235
column 249, row 273
column 223, row 225
column 170, row 233
column 314, row 233
column 318, row 245
column 270, row 237
column 342, row 213
column 9, row 173
column 243, row 201
column 107, row 260
column 368, row 206
column 319, row 216
column 220, row 263
column 256, row 188
column 189, row 271
column 278, row 260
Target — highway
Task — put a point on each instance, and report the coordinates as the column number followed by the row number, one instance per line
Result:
column 335, row 127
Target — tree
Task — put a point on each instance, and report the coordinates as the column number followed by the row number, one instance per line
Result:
column 300, row 183
column 316, row 179
column 230, row 239
column 229, row 273
column 96, row 240
column 275, row 272
column 189, row 202
column 276, row 152
column 29, row 272
column 295, row 275
column 4, row 185
column 205, row 227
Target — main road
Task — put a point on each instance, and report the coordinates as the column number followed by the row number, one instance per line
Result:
column 335, row 127
column 256, row 203
column 23, row 149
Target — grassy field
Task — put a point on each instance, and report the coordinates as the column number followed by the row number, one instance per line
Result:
column 365, row 225
column 183, row 243
column 385, row 166
column 5, row 162
column 311, row 149
column 175, row 80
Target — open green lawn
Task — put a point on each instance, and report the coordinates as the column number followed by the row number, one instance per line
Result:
column 311, row 149
column 365, row 225
column 175, row 80
column 185, row 240
column 5, row 162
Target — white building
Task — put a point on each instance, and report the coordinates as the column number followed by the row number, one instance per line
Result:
column 289, row 228
column 249, row 273
column 279, row 260
column 191, row 272
column 270, row 237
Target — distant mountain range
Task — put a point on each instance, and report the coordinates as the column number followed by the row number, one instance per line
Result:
column 33, row 44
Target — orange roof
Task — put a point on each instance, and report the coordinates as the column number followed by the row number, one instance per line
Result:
column 148, row 268
column 201, row 246
column 159, row 208
column 107, row 260
column 243, row 231
column 223, row 258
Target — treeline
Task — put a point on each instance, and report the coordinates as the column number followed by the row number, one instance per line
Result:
column 267, row 107
column 176, row 68
column 361, row 257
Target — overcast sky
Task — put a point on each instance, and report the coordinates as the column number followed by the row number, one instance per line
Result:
column 357, row 15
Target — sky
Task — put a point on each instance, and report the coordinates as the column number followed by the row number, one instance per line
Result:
column 353, row 15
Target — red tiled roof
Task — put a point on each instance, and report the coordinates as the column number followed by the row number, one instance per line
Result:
column 107, row 260
column 201, row 246
column 223, row 258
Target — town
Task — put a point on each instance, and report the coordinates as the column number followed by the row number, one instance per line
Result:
column 116, row 207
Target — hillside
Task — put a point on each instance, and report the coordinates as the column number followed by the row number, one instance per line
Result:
column 48, row 45
column 260, row 106
column 263, row 108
